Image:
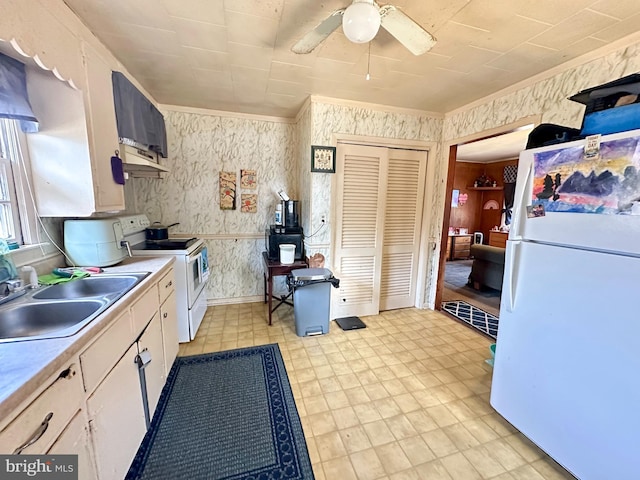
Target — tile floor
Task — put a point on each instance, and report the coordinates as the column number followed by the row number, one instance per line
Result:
column 405, row 398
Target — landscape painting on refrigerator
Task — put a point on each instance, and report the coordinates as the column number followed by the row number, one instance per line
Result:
column 609, row 183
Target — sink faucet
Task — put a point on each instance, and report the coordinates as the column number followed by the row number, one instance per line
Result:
column 13, row 288
column 10, row 286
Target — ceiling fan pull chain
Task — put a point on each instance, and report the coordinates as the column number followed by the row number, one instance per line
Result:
column 368, row 77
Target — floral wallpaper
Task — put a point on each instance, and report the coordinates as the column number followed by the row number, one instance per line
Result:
column 329, row 119
column 547, row 98
column 303, row 160
column 200, row 146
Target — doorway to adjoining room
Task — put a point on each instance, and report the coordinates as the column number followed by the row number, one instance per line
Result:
column 476, row 221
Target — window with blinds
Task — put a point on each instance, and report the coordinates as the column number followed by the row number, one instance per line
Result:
column 9, row 156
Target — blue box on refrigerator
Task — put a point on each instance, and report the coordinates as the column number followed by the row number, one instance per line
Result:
column 613, row 120
column 611, row 107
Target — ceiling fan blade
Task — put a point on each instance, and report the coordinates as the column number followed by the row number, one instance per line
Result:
column 406, row 31
column 316, row 36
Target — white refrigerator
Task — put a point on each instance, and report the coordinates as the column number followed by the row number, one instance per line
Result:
column 567, row 361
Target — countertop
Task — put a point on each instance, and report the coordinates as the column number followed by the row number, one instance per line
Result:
column 24, row 366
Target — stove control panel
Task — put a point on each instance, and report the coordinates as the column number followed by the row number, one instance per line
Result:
column 134, row 223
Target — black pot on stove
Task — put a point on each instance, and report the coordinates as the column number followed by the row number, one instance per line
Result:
column 157, row 231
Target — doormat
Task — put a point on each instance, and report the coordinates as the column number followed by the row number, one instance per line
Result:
column 350, row 323
column 474, row 316
column 225, row 415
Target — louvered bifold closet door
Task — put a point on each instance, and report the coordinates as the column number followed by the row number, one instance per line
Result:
column 402, row 224
column 361, row 178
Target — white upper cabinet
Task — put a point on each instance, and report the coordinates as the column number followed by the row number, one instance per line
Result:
column 71, row 154
column 70, row 91
column 103, row 134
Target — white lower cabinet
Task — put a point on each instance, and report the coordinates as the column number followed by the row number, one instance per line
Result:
column 117, row 418
column 116, row 407
column 75, row 440
column 93, row 407
column 151, row 341
column 169, row 317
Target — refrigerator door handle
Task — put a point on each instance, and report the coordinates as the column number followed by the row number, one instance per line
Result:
column 511, row 273
column 520, row 205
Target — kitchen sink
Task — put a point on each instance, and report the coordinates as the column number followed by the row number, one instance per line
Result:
column 89, row 287
column 41, row 319
column 64, row 309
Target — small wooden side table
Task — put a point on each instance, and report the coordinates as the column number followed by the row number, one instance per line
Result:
column 460, row 246
column 273, row 268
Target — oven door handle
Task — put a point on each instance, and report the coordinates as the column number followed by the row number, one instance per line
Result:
column 197, row 257
column 197, row 253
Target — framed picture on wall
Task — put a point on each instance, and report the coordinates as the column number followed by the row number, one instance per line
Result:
column 323, row 159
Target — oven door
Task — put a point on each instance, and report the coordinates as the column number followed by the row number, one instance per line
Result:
column 197, row 273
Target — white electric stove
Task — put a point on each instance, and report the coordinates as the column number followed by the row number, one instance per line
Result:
column 191, row 269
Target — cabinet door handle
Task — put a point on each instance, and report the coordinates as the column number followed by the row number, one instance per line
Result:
column 169, row 284
column 165, row 315
column 36, row 435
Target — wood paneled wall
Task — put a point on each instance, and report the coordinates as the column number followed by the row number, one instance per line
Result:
column 471, row 215
column 468, row 215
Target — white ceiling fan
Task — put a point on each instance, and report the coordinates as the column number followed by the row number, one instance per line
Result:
column 361, row 21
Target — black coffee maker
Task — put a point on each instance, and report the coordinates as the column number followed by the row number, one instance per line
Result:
column 290, row 213
column 289, row 232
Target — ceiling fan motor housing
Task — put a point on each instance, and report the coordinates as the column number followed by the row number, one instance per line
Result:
column 361, row 21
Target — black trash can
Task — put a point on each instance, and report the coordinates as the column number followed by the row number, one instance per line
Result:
column 312, row 299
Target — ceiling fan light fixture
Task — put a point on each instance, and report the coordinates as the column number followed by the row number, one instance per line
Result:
column 361, row 21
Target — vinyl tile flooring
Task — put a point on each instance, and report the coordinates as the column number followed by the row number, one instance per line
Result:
column 405, row 398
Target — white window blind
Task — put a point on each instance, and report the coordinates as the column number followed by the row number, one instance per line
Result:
column 9, row 157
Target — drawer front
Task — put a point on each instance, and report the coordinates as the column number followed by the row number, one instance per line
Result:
column 166, row 285
column 54, row 408
column 463, row 241
column 105, row 352
column 144, row 309
column 462, row 253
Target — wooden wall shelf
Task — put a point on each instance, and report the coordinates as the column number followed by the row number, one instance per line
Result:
column 485, row 188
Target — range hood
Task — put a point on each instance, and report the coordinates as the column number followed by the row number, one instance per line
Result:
column 141, row 163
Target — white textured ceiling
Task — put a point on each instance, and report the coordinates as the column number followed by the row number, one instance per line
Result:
column 235, row 55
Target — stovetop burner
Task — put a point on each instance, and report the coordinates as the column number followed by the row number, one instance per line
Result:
column 169, row 244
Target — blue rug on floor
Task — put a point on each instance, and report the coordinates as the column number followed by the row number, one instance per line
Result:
column 474, row 316
column 228, row 415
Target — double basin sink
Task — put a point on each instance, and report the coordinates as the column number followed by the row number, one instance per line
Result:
column 64, row 309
